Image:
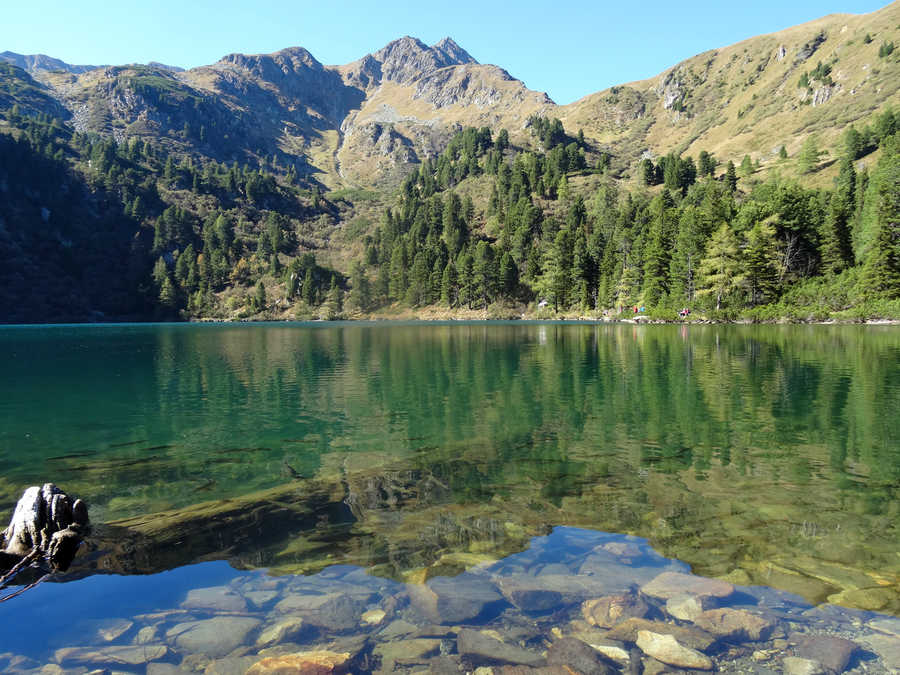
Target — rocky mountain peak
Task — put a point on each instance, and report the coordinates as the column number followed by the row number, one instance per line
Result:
column 32, row 63
column 269, row 66
column 405, row 60
column 453, row 52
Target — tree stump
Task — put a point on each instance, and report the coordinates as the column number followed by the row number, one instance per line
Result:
column 48, row 521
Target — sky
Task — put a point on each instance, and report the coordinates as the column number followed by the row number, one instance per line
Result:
column 567, row 49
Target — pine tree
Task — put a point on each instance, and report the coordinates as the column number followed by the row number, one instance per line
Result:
column 308, row 289
column 882, row 268
column 808, row 160
column 760, row 263
column 360, row 291
column 731, row 177
column 720, row 269
column 449, row 285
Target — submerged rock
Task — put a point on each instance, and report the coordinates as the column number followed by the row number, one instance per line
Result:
column 607, row 611
column 688, row 607
column 670, row 584
column 463, row 598
column 214, row 637
column 832, row 652
column 321, row 662
column 735, row 624
column 795, row 665
column 279, row 631
column 693, row 637
column 478, row 649
column 667, row 649
column 333, row 612
column 416, row 651
column 123, row 656
column 215, row 599
column 578, row 656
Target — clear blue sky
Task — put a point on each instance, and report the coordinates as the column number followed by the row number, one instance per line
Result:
column 568, row 49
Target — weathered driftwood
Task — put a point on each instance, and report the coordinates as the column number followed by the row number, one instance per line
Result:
column 46, row 525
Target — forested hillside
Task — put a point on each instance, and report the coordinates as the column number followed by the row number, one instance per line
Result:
column 756, row 181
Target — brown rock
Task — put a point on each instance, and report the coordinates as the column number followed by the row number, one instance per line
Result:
column 578, row 656
column 669, row 584
column 735, row 624
column 693, row 637
column 303, row 663
column 606, row 612
column 667, row 649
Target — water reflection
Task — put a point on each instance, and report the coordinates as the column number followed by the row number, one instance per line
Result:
column 765, row 454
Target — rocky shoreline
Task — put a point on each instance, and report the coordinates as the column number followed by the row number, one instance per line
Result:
column 575, row 601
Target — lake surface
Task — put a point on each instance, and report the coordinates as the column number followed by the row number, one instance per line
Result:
column 767, row 456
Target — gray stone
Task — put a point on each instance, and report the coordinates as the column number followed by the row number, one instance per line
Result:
column 123, row 656
column 463, row 598
column 146, row 635
column 832, row 652
column 667, row 649
column 477, row 649
column 215, row 599
column 214, row 637
column 409, row 652
column 688, row 607
column 794, row 665
column 334, row 611
column 578, row 656
column 106, row 630
column 260, row 599
column 235, row 665
column 163, row 669
column 279, row 631
column 735, row 624
column 888, row 625
column 887, row 647
column 670, row 584
column 529, row 595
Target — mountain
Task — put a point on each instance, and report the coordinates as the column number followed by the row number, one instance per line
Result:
column 33, row 63
column 748, row 98
column 272, row 184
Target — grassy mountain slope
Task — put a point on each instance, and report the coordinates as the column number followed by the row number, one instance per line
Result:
column 747, row 98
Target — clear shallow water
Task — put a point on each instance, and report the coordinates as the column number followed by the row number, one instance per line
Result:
column 767, row 454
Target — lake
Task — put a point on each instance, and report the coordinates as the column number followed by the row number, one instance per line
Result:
column 233, row 472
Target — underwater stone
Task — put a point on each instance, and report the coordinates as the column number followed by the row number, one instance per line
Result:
column 216, row 599
column 214, row 637
column 670, row 584
column 607, row 611
column 578, row 656
column 320, row 662
column 667, row 649
column 735, row 624
column 478, row 649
